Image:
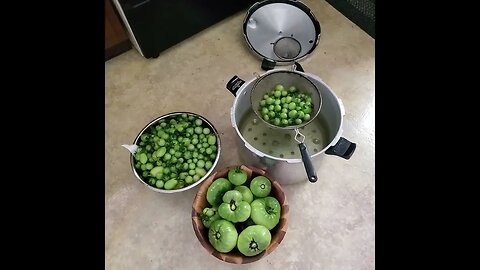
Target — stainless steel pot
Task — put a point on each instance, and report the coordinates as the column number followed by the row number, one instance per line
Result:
column 290, row 170
column 206, row 122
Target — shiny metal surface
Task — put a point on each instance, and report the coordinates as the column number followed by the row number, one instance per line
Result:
column 153, row 122
column 272, row 22
column 268, row 81
column 287, row 48
column 287, row 171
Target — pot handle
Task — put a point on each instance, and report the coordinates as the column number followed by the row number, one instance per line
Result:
column 343, row 148
column 298, row 67
column 234, row 84
column 268, row 64
column 307, row 162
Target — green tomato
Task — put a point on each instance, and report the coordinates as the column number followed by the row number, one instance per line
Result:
column 237, row 176
column 159, row 183
column 208, row 216
column 180, row 184
column 222, row 235
column 253, row 240
column 216, row 191
column 152, row 181
column 306, row 117
column 143, row 158
column 276, row 121
column 232, row 196
column 171, row 184
column 260, row 186
column 211, row 139
column 156, row 170
column 266, row 212
column 293, row 113
column 279, row 87
column 233, row 208
column 247, row 195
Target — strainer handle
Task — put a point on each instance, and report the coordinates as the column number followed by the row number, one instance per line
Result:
column 307, row 162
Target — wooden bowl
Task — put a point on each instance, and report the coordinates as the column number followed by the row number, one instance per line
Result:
column 234, row 256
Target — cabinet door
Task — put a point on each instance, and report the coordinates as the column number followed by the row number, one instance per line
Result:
column 116, row 39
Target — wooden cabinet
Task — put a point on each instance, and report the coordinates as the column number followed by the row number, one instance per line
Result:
column 116, row 38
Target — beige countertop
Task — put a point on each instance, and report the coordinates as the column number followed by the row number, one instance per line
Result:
column 332, row 222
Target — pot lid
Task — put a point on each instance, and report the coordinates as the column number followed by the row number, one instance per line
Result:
column 281, row 31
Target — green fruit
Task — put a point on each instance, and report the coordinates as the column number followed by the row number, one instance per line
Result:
column 237, row 176
column 159, row 183
column 266, row 212
column 253, row 240
column 170, row 184
column 216, row 191
column 260, row 186
column 233, row 208
column 222, row 235
column 279, row 87
column 247, row 195
column 208, row 216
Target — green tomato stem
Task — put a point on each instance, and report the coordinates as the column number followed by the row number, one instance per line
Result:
column 253, row 245
column 232, row 205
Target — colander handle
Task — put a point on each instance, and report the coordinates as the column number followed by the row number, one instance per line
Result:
column 234, row 84
column 343, row 148
column 307, row 162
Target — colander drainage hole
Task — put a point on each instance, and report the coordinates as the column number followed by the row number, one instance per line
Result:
column 314, row 131
column 255, row 138
column 264, row 143
column 250, row 129
column 264, row 134
column 281, row 155
column 292, row 153
column 270, row 152
column 315, row 150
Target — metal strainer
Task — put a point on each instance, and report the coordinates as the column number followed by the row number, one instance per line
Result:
column 266, row 83
column 287, row 48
